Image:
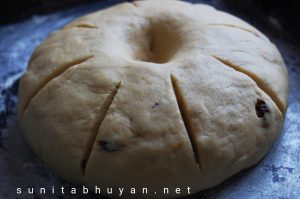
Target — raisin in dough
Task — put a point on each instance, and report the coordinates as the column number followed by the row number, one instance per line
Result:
column 153, row 94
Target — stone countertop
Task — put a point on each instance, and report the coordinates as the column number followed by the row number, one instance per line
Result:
column 277, row 176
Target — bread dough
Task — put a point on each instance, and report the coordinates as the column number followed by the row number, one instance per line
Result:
column 153, row 94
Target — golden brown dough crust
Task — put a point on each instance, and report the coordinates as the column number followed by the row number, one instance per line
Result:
column 153, row 94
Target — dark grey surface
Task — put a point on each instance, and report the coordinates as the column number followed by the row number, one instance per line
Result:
column 277, row 176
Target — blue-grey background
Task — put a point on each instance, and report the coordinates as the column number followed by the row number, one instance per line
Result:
column 277, row 176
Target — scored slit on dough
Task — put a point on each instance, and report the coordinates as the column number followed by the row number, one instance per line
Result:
column 182, row 106
column 82, row 25
column 260, row 83
column 86, row 26
column 93, row 135
column 238, row 27
column 60, row 70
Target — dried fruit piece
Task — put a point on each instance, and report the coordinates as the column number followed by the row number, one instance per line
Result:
column 109, row 146
column 261, row 108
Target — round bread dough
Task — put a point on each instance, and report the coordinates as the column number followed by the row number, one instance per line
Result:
column 155, row 94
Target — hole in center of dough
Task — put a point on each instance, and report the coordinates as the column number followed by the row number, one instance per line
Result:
column 158, row 42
